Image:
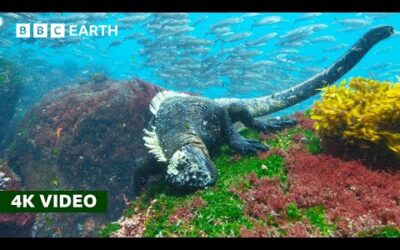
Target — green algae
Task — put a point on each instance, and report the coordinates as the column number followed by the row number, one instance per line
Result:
column 317, row 218
column 313, row 142
column 293, row 212
column 381, row 232
column 109, row 229
column 224, row 213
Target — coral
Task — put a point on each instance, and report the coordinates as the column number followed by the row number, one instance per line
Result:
column 366, row 113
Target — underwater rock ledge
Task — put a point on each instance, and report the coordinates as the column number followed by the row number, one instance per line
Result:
column 84, row 137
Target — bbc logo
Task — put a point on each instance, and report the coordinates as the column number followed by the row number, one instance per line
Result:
column 40, row 30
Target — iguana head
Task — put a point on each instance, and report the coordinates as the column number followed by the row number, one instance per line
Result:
column 190, row 168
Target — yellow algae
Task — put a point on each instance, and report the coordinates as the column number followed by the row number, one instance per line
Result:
column 365, row 112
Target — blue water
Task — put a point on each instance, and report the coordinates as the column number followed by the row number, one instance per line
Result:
column 74, row 61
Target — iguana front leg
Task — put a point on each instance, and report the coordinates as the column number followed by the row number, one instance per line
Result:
column 238, row 112
column 238, row 142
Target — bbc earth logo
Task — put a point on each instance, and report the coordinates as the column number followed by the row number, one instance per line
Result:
column 60, row 30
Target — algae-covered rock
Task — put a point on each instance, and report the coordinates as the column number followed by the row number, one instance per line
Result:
column 13, row 225
column 84, row 137
column 10, row 88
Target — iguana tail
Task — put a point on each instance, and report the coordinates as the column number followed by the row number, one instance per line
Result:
column 264, row 105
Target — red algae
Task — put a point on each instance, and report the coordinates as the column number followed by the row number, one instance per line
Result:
column 355, row 197
column 14, row 224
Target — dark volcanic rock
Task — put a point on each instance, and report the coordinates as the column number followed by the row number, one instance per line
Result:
column 85, row 137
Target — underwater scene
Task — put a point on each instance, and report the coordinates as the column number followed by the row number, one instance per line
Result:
column 203, row 124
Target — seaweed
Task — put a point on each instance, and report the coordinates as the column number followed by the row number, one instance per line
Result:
column 381, row 232
column 108, row 230
column 295, row 190
column 363, row 113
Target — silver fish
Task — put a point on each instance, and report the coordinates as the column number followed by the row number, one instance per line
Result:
column 173, row 22
column 296, row 34
column 198, row 50
column 199, row 20
column 317, row 27
column 267, row 20
column 245, row 54
column 336, row 47
column 251, row 14
column 237, row 37
column 262, row 64
column 177, row 30
column 12, row 15
column 262, row 40
column 114, row 43
column 227, row 22
column 321, row 39
column 225, row 34
column 300, row 58
column 307, row 16
column 132, row 19
column 353, row 22
column 219, row 30
column 295, row 44
column 288, row 51
column 191, row 41
column 375, row 16
column 175, row 16
column 282, row 58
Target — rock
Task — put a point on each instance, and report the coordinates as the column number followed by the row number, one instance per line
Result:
column 13, row 225
column 85, row 137
column 10, row 88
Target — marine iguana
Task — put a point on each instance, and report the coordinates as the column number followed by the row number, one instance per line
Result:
column 187, row 129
